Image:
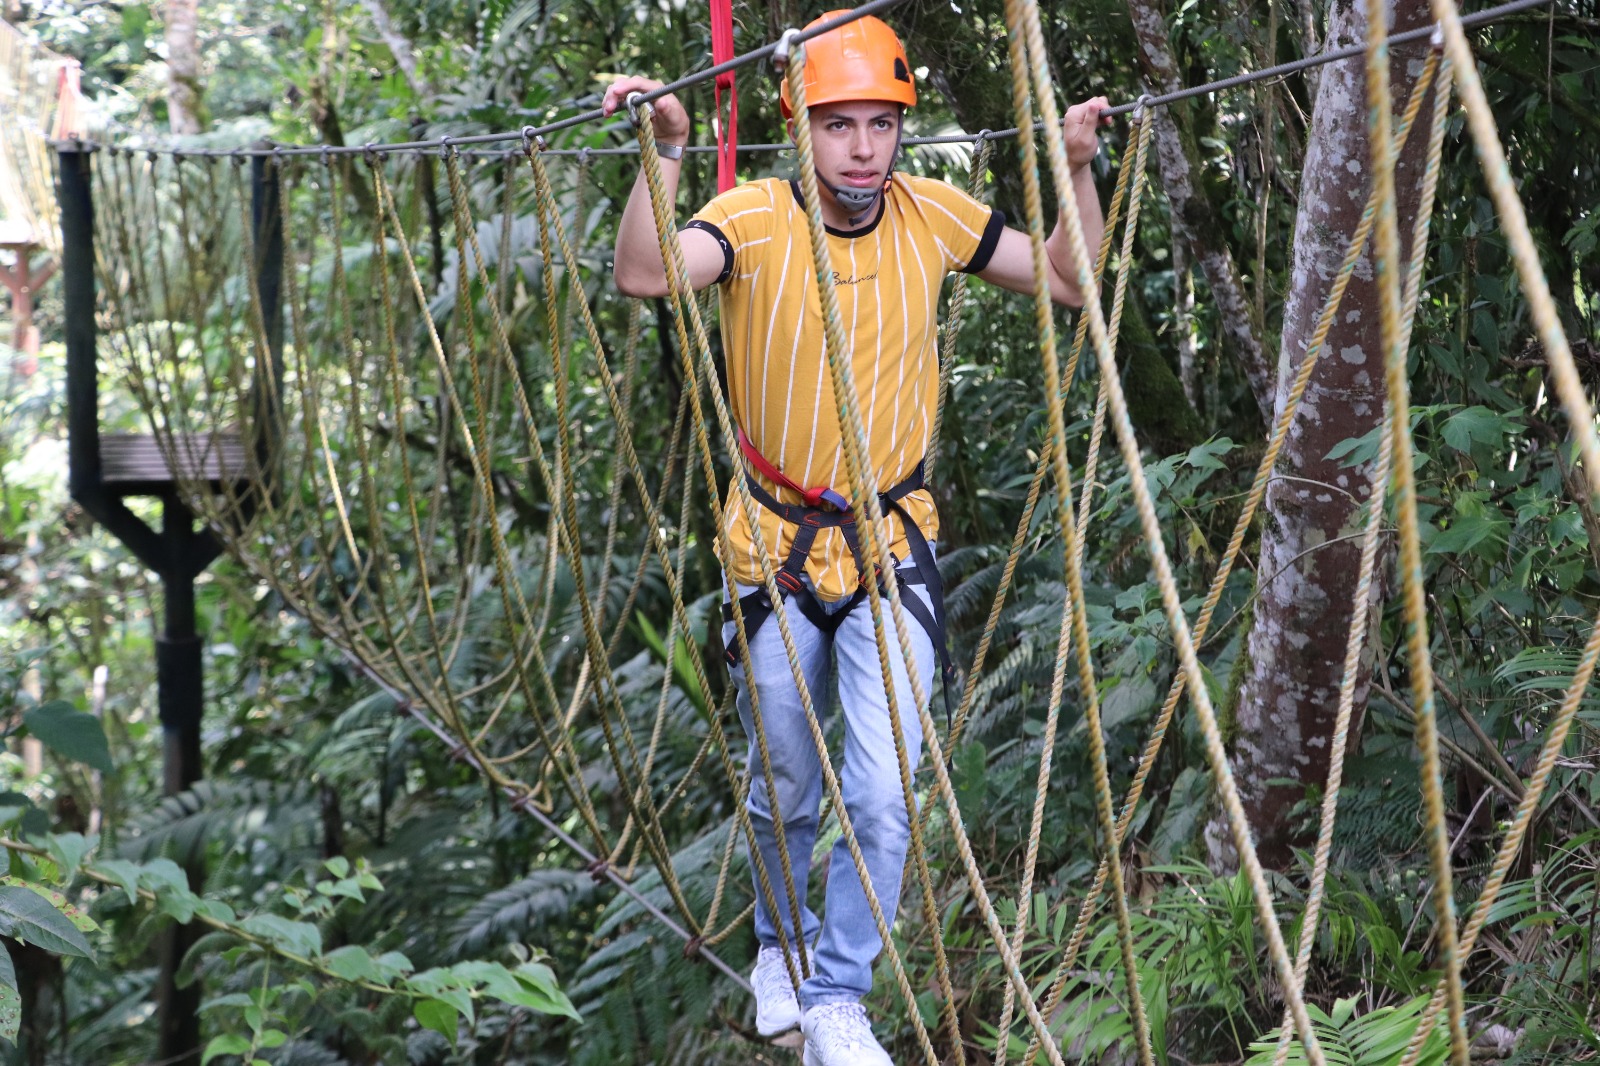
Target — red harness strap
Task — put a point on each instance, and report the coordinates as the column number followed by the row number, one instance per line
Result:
column 721, row 52
column 816, row 497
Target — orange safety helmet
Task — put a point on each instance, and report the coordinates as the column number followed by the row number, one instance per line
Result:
column 861, row 60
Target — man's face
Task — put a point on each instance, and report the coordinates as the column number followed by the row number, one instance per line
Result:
column 854, row 142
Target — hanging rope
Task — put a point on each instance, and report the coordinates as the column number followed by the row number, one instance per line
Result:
column 1387, row 247
column 1071, row 619
column 1024, row 18
column 425, row 649
column 677, row 274
column 1436, row 75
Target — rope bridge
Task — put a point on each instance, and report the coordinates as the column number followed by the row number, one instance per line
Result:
column 399, row 459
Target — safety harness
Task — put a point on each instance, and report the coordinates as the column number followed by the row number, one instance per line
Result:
column 826, row 509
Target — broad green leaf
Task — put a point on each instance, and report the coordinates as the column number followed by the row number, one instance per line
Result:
column 346, row 888
column 1466, row 532
column 70, row 733
column 1476, row 425
column 1133, row 695
column 233, row 999
column 216, row 910
column 71, row 911
column 392, row 965
column 68, row 850
column 302, row 938
column 497, row 981
column 10, row 998
column 163, row 875
column 1204, row 456
column 179, row 906
column 540, row 981
column 525, row 987
column 226, row 1044
column 438, row 1016
column 29, row 917
column 353, row 963
column 444, row 985
column 125, row 873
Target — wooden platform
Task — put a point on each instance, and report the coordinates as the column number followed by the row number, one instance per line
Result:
column 137, row 464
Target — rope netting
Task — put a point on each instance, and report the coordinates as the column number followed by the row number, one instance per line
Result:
column 419, row 460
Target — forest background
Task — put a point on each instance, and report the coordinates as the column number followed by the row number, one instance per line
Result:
column 316, row 792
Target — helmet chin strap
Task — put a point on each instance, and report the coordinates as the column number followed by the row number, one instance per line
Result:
column 856, row 203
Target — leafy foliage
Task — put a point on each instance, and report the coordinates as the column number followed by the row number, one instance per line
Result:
column 308, row 764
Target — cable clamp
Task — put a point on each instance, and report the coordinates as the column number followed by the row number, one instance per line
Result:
column 325, row 153
column 370, row 150
column 529, row 135
column 598, row 869
column 1436, row 42
column 584, row 156
column 692, row 946
column 780, row 53
column 983, row 135
column 639, row 108
column 1140, row 107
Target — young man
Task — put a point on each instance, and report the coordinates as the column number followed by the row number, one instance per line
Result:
column 891, row 238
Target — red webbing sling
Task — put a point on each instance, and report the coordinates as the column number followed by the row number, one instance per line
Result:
column 816, row 497
column 727, row 133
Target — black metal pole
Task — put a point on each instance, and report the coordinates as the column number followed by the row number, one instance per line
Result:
column 76, row 200
column 177, row 554
column 180, row 696
column 179, row 678
column 266, row 230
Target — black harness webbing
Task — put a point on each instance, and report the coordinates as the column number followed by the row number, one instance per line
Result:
column 757, row 606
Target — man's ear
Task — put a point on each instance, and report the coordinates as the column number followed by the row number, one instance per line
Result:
column 789, row 123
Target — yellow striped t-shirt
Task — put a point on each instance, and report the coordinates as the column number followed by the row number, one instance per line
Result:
column 888, row 275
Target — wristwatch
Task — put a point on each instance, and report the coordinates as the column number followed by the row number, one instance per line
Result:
column 669, row 151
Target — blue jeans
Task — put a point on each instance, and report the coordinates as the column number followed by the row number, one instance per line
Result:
column 841, row 966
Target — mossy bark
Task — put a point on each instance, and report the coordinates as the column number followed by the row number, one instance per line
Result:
column 1310, row 541
column 1160, row 411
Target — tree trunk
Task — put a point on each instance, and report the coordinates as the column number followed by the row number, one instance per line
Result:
column 185, row 109
column 1194, row 214
column 399, row 45
column 1296, row 648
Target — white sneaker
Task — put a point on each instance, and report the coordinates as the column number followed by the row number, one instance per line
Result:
column 777, row 1009
column 838, row 1034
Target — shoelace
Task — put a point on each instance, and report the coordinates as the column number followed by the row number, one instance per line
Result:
column 842, row 1027
column 771, row 973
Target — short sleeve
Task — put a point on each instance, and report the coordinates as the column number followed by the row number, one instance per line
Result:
column 967, row 230
column 741, row 220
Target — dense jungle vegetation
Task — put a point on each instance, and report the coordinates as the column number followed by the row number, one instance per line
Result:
column 373, row 900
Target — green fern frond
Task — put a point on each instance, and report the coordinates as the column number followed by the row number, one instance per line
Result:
column 284, row 812
column 1377, row 1038
column 511, row 913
